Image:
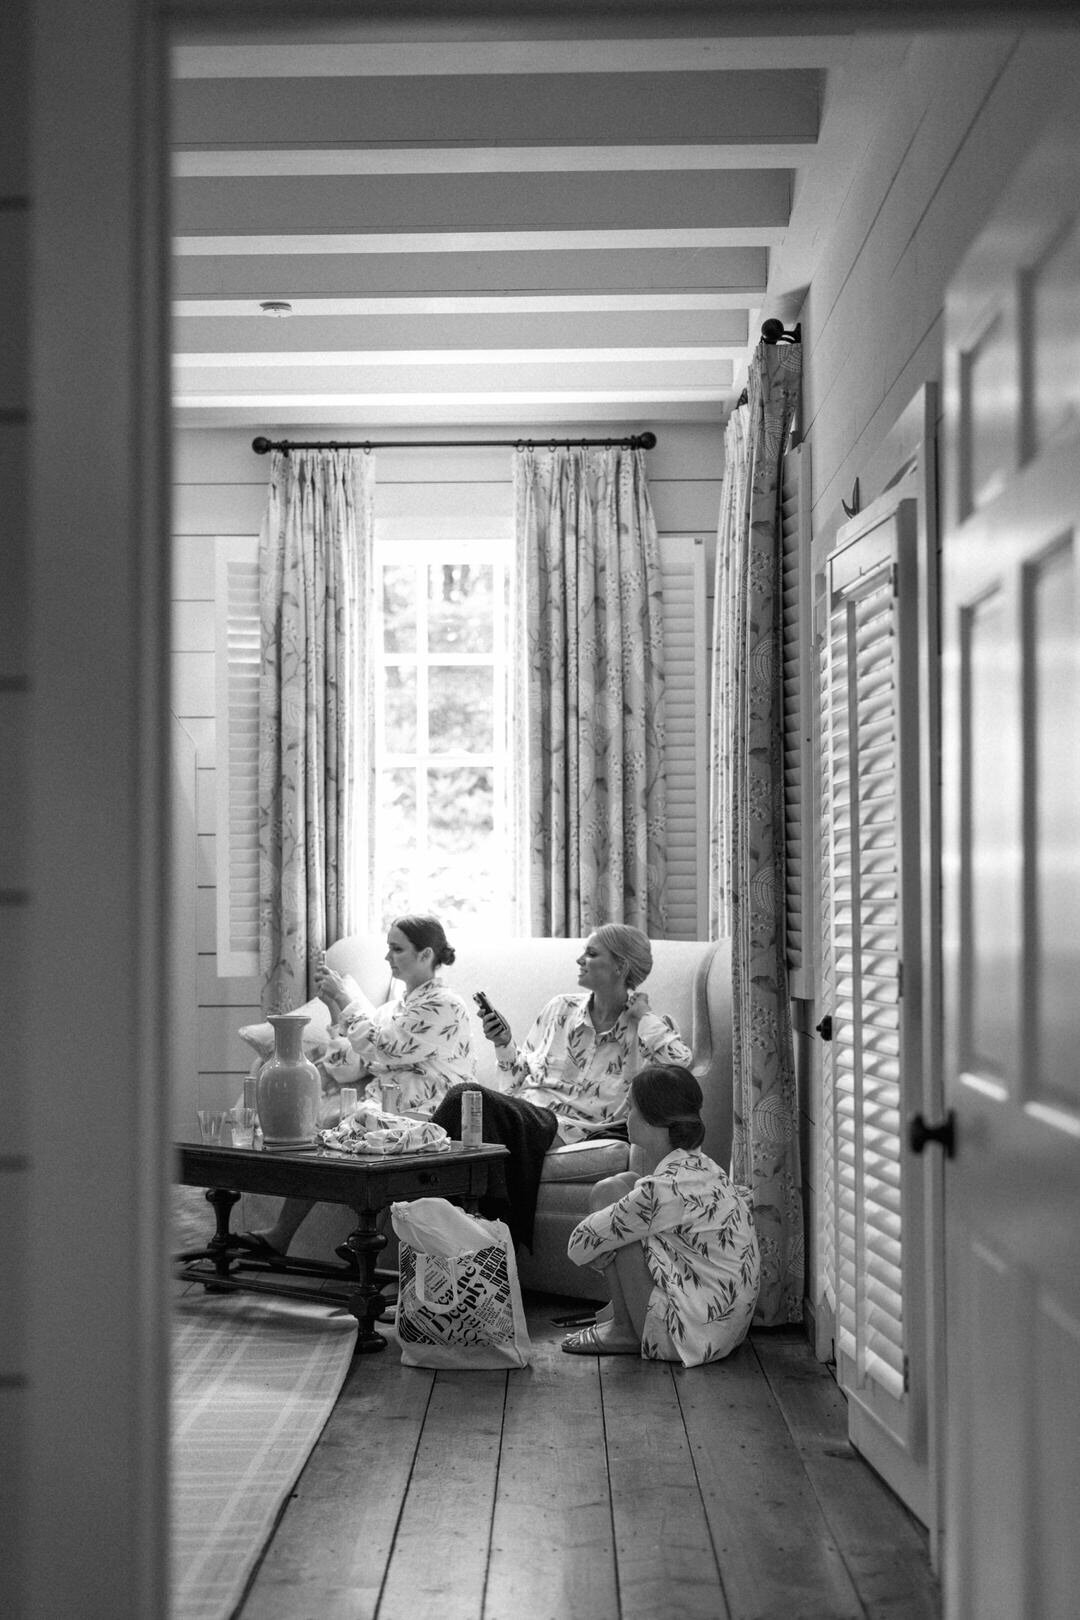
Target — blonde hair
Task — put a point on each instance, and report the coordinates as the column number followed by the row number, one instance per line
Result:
column 630, row 947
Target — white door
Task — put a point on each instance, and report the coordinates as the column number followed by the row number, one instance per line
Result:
column 1011, row 873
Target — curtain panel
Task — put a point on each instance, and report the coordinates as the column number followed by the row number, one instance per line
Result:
column 749, row 878
column 592, row 702
column 315, row 699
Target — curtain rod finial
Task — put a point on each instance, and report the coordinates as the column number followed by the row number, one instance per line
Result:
column 261, row 446
column 647, row 440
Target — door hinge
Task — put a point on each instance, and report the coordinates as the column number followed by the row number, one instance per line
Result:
column 907, row 1374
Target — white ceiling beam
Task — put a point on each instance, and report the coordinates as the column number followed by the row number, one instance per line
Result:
column 376, row 359
column 493, row 241
column 227, row 163
column 344, row 60
column 554, row 304
column 433, row 404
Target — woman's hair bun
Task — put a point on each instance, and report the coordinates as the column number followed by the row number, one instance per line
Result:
column 427, row 934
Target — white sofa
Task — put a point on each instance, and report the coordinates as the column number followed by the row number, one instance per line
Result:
column 690, row 981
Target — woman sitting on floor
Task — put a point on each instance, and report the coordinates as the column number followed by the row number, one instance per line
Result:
column 675, row 1245
column 568, row 1079
column 404, row 1054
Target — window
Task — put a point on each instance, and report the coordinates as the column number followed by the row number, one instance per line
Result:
column 441, row 731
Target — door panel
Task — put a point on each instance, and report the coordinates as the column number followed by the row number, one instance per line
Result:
column 1011, row 868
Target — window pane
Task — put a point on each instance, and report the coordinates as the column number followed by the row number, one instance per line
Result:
column 460, row 607
column 400, row 710
column 399, row 609
column 465, row 877
column 397, row 813
column 459, row 710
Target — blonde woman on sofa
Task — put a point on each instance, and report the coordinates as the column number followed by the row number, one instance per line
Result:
column 674, row 1244
column 569, row 1077
column 421, row 1044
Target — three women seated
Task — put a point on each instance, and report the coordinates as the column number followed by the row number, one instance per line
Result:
column 674, row 1245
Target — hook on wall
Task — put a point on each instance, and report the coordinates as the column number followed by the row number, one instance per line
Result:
column 853, row 509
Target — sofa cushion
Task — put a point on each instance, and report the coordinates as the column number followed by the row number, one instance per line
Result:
column 585, row 1161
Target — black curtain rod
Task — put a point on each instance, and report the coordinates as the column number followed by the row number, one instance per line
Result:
column 634, row 441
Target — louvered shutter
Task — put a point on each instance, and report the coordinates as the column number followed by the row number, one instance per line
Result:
column 871, row 1064
column 686, row 738
column 237, row 665
column 798, row 770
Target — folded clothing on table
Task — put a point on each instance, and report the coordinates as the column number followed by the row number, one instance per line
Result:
column 371, row 1130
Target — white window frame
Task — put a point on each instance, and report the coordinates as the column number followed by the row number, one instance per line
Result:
column 421, row 553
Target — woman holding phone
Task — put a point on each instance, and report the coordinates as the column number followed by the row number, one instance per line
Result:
column 569, row 1077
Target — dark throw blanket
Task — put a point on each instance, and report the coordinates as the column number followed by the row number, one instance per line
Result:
column 528, row 1132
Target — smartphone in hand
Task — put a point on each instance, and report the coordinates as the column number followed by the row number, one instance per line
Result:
column 501, row 1036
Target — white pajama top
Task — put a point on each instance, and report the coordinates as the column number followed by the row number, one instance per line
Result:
column 697, row 1229
column 422, row 1041
column 582, row 1073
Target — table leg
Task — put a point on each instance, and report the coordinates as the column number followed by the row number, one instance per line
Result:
column 218, row 1249
column 366, row 1302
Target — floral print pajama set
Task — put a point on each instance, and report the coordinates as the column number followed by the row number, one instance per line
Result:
column 422, row 1041
column 580, row 1073
column 696, row 1227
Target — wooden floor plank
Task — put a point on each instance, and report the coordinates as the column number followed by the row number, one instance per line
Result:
column 885, row 1548
column 777, row 1556
column 664, row 1550
column 439, row 1562
column 330, row 1553
column 552, row 1553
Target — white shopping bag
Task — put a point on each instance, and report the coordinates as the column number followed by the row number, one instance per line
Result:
column 459, row 1300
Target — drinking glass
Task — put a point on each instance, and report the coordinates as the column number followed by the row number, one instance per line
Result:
column 210, row 1123
column 243, row 1126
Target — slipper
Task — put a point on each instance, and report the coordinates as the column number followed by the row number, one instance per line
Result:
column 255, row 1243
column 589, row 1343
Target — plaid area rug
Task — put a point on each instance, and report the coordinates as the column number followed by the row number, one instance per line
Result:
column 254, row 1381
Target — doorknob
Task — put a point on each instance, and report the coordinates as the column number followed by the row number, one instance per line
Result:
column 824, row 1029
column 920, row 1133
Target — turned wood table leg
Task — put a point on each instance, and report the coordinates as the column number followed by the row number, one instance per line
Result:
column 366, row 1302
column 222, row 1200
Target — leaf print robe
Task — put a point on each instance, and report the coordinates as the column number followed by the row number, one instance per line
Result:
column 696, row 1227
column 423, row 1041
column 581, row 1073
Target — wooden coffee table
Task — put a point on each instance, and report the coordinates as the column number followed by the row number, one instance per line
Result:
column 365, row 1183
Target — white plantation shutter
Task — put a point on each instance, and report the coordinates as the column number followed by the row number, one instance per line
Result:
column 871, row 1074
column 682, row 562
column 798, row 769
column 237, row 664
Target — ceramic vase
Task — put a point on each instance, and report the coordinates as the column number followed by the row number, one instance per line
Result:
column 288, row 1090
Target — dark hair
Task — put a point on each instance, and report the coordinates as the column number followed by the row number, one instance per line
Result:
column 667, row 1094
column 427, row 933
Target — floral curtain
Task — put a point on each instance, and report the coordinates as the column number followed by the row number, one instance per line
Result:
column 594, row 810
column 315, row 585
column 749, row 878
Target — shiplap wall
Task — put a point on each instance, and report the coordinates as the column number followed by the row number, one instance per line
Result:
column 219, row 489
column 962, row 113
